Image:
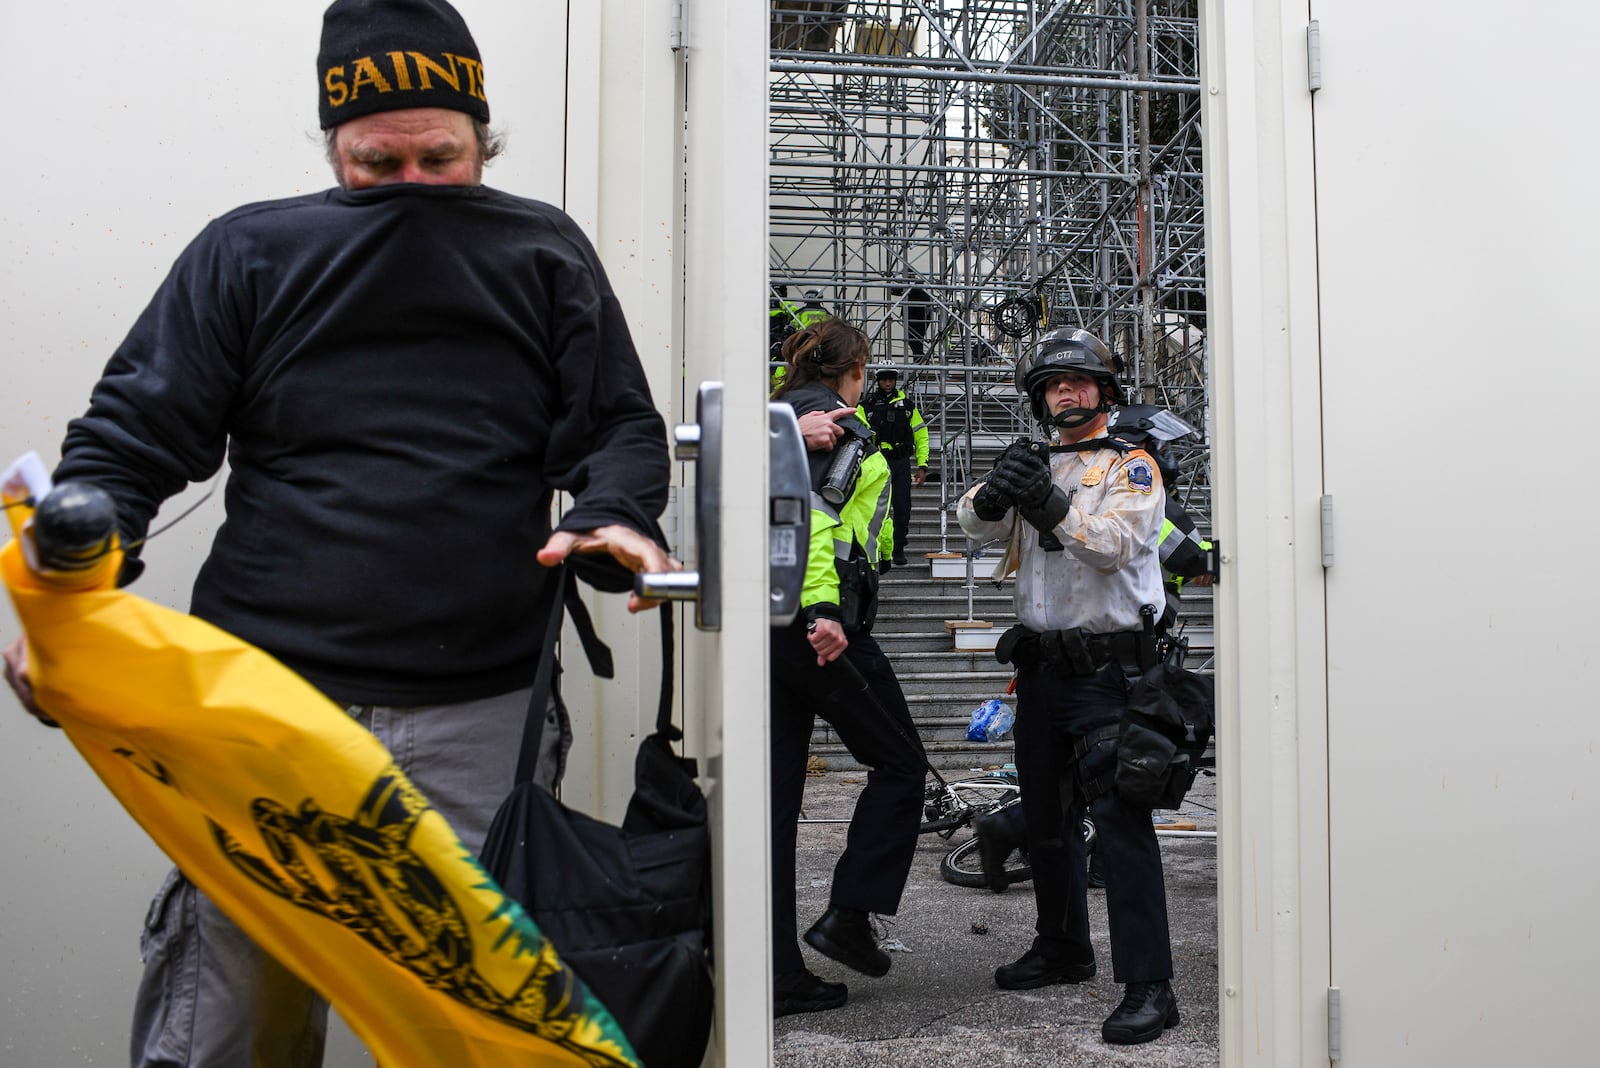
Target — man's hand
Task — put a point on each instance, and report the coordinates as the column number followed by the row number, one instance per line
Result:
column 822, row 429
column 627, row 546
column 920, row 477
column 1024, row 476
column 16, row 656
column 827, row 639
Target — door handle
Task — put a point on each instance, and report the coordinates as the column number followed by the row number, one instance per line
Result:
column 700, row 441
column 788, row 516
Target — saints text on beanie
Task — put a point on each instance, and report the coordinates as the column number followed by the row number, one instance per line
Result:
column 384, row 55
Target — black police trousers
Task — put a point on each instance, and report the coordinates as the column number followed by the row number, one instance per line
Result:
column 1054, row 710
column 871, row 874
column 900, row 498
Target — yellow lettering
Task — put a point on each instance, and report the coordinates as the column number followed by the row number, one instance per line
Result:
column 402, row 73
column 367, row 73
column 474, row 76
column 426, row 65
column 338, row 92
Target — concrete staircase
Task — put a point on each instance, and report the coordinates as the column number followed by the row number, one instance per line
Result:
column 942, row 684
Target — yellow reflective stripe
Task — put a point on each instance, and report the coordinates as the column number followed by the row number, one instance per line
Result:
column 876, row 524
column 819, row 504
column 868, row 507
column 822, row 578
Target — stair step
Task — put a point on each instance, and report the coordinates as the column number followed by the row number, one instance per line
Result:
column 950, row 684
column 946, row 756
column 933, row 705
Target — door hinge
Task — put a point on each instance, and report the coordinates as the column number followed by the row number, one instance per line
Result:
column 1335, row 1021
column 678, row 18
column 1327, row 530
column 1313, row 55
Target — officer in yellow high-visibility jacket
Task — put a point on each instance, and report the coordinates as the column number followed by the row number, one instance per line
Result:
column 783, row 319
column 812, row 312
column 827, row 664
column 900, row 433
column 808, row 314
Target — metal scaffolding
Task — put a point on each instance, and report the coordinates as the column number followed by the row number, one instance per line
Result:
column 956, row 176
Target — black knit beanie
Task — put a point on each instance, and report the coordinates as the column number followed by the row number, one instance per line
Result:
column 384, row 55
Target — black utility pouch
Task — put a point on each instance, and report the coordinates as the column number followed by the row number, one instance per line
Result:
column 858, row 594
column 1014, row 646
column 1068, row 650
column 1164, row 733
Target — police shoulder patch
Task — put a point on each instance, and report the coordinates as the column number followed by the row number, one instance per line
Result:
column 1139, row 474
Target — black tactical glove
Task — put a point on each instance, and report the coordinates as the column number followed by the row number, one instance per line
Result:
column 1024, row 477
column 1045, row 517
column 989, row 504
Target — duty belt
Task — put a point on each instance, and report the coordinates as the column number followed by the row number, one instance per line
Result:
column 1074, row 651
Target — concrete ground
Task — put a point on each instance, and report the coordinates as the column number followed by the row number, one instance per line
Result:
column 939, row 1005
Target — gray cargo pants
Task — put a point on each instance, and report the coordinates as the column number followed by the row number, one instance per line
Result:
column 209, row 998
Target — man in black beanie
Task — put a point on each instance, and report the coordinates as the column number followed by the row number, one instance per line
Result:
column 401, row 372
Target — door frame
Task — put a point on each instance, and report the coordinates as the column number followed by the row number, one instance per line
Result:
column 1265, row 390
column 724, row 71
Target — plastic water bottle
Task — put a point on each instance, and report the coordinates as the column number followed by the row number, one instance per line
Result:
column 991, row 721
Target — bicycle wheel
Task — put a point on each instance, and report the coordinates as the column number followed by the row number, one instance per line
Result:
column 963, row 866
column 950, row 807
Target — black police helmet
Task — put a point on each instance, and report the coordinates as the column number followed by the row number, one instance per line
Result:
column 1068, row 351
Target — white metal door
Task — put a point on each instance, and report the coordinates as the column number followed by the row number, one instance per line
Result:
column 1456, row 228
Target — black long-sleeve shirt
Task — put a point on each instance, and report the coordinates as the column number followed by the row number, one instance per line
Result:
column 400, row 377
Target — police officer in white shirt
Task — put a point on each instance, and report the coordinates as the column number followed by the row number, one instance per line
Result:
column 1083, row 517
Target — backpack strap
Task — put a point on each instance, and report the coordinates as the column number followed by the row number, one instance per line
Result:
column 539, row 700
column 601, row 662
column 664, row 724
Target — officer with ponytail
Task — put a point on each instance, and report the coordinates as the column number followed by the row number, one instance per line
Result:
column 826, row 663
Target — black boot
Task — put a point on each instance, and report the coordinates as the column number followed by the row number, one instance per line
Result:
column 1037, row 968
column 845, row 934
column 801, row 991
column 1147, row 1009
column 999, row 833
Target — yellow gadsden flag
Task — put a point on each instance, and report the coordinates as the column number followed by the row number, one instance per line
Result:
column 295, row 821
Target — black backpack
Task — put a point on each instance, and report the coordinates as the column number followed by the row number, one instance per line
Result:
column 628, row 908
column 1163, row 736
